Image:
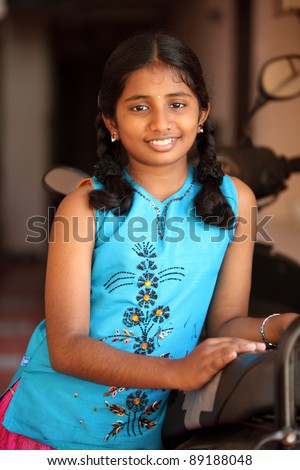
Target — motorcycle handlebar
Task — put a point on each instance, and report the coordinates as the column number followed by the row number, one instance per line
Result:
column 293, row 164
column 259, row 167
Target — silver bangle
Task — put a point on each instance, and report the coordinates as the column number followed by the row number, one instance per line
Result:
column 262, row 332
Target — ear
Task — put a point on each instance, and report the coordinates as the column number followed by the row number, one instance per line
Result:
column 204, row 115
column 110, row 123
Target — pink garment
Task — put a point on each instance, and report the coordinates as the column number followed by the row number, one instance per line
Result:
column 11, row 440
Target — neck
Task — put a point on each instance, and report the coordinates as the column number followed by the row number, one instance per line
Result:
column 160, row 182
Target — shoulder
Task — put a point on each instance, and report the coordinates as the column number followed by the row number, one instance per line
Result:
column 76, row 202
column 73, row 229
column 245, row 196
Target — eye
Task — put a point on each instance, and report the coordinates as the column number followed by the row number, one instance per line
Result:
column 140, row 107
column 177, row 105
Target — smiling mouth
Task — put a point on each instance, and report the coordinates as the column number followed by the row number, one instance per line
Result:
column 162, row 141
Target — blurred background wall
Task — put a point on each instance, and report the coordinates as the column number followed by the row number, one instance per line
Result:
column 275, row 32
column 51, row 57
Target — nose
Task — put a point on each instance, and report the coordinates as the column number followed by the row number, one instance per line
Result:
column 160, row 120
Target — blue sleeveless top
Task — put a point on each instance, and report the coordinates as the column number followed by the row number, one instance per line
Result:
column 154, row 271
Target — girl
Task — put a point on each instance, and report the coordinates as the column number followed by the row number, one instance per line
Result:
column 140, row 257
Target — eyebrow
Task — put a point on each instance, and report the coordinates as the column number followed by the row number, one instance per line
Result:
column 179, row 94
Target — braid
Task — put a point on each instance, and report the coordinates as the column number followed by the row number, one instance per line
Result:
column 117, row 192
column 210, row 202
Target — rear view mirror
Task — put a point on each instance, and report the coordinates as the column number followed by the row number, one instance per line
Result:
column 61, row 180
column 280, row 78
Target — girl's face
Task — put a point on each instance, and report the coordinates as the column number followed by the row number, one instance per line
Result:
column 157, row 117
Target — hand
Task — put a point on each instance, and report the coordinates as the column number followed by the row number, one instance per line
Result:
column 208, row 358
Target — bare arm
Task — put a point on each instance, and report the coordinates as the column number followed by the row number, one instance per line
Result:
column 228, row 314
column 74, row 352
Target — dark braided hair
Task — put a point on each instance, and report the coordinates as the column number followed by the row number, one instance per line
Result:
column 210, row 203
column 136, row 52
column 117, row 194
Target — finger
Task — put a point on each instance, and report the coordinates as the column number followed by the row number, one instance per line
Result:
column 220, row 361
column 251, row 346
column 260, row 346
column 240, row 343
column 221, row 356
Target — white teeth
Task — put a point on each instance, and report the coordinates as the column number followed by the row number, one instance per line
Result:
column 162, row 142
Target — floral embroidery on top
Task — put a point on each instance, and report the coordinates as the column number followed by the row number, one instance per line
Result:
column 113, row 280
column 147, row 316
column 144, row 330
column 145, row 250
column 137, row 411
column 112, row 391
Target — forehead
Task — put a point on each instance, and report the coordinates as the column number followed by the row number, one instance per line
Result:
column 155, row 77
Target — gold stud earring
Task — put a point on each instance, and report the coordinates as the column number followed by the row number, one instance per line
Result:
column 114, row 136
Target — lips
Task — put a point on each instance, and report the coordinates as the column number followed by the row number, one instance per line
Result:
column 163, row 144
column 162, row 141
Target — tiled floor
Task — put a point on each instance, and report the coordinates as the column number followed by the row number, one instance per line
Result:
column 21, row 309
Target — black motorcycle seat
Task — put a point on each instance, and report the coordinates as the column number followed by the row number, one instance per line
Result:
column 245, row 388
